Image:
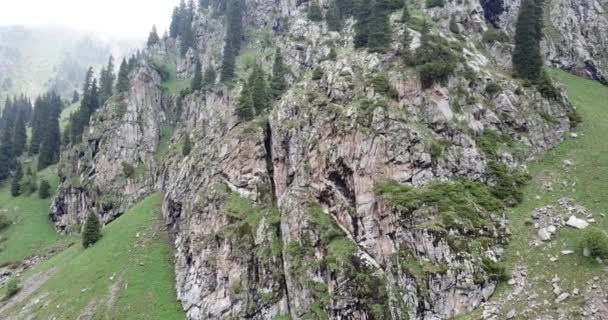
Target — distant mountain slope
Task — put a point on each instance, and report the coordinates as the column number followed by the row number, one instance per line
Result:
column 34, row 59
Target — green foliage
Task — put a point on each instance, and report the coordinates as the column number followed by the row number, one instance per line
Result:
column 314, row 11
column 596, row 240
column 495, row 35
column 373, row 30
column 197, row 81
column 494, row 270
column 92, row 231
column 15, row 184
column 4, row 222
column 128, row 169
column 492, row 88
column 209, row 77
column 436, row 60
column 405, row 15
column 153, row 37
column 255, row 96
column 381, row 85
column 435, row 3
column 122, row 84
column 12, row 288
column 45, row 190
column 278, row 85
column 232, row 42
column 187, row 146
column 334, row 17
column 546, row 87
column 317, row 74
column 472, row 201
column 527, row 59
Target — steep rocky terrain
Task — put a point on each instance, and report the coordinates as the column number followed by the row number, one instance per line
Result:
column 348, row 199
column 575, row 33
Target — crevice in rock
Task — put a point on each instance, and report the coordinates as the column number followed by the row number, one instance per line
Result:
column 269, row 161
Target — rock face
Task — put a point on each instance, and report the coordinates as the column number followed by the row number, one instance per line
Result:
column 575, row 33
column 301, row 212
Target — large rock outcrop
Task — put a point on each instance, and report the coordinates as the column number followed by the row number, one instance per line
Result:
column 325, row 206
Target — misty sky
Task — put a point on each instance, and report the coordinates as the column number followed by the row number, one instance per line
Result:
column 122, row 18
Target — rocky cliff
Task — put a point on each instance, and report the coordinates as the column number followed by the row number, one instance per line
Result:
column 360, row 194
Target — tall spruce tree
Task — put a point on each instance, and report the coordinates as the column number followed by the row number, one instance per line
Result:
column 334, row 17
column 245, row 105
column 362, row 27
column 122, row 84
column 379, row 28
column 259, row 89
column 197, row 81
column 527, row 59
column 92, row 231
column 51, row 141
column 153, row 37
column 106, row 81
column 16, row 183
column 405, row 15
column 314, row 11
column 278, row 85
column 19, row 133
column 232, row 42
column 209, row 78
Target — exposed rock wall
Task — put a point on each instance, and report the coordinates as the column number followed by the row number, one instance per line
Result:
column 282, row 216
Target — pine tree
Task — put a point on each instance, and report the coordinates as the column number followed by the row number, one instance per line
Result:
column 197, row 81
column 106, row 82
column 314, row 11
column 245, row 107
column 363, row 25
column 92, row 231
column 19, row 134
column 5, row 161
column 232, row 42
column 259, row 89
column 527, row 58
column 379, row 30
column 209, row 77
column 75, row 97
column 45, row 190
column 175, row 23
column 15, row 185
column 51, row 141
column 278, row 85
column 333, row 17
column 153, row 38
column 187, row 147
column 122, row 84
column 406, row 41
column 405, row 16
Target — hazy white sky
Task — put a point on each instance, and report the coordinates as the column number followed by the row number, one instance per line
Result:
column 123, row 18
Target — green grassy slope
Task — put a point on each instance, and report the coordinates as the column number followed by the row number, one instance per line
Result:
column 128, row 274
column 31, row 232
column 585, row 183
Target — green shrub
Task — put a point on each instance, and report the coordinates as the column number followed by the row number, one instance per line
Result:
column 187, row 146
column 492, row 88
column 92, row 231
column 12, row 288
column 494, row 35
column 436, row 59
column 128, row 169
column 382, row 86
column 45, row 189
column 435, row 3
column 4, row 222
column 317, row 74
column 494, row 270
column 546, row 87
column 596, row 240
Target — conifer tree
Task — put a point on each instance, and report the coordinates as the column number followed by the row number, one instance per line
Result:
column 405, row 16
column 209, row 77
column 106, row 82
column 153, row 38
column 75, row 97
column 5, row 160
column 92, row 231
column 19, row 134
column 197, row 81
column 379, row 29
column 363, row 25
column 406, row 41
column 49, row 148
column 245, row 107
column 333, row 17
column 259, row 89
column 175, row 23
column 527, row 59
column 278, row 85
column 314, row 11
column 45, row 190
column 187, row 147
column 122, row 84
column 15, row 185
column 232, row 42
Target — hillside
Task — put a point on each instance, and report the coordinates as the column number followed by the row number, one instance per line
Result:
column 325, row 159
column 36, row 59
